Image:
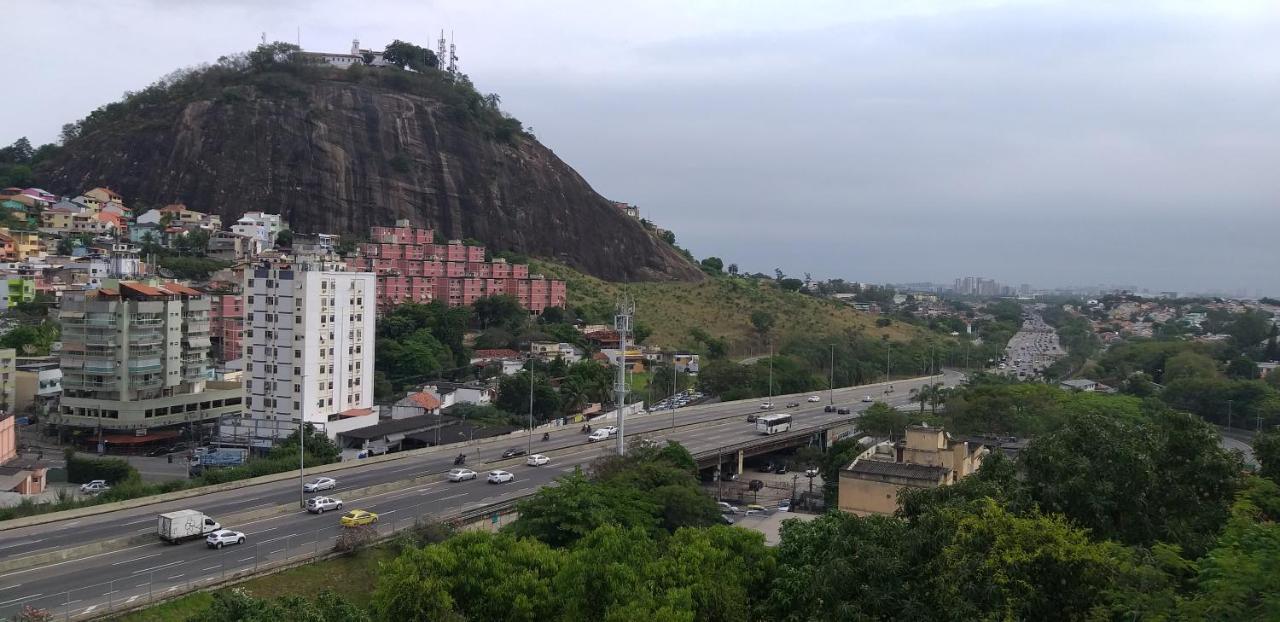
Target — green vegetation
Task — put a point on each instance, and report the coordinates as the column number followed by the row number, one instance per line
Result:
column 718, row 308
column 21, row 162
column 31, row 339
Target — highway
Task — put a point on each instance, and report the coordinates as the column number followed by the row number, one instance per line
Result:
column 89, row 586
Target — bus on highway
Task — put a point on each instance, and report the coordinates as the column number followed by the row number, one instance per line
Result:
column 773, row 424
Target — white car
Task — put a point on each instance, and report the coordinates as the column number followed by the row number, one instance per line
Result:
column 321, row 483
column 95, row 487
column 599, row 435
column 766, row 406
column 458, row 475
column 726, row 508
column 320, row 505
column 537, row 460
column 500, row 477
column 222, row 537
column 867, row 398
column 814, row 398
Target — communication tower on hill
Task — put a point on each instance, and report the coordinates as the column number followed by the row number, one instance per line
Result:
column 453, row 55
column 441, row 59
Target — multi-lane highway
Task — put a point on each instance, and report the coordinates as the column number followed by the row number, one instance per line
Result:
column 1032, row 349
column 136, row 573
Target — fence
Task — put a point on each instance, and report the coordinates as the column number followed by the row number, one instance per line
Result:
column 226, row 566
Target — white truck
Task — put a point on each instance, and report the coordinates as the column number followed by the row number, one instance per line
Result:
column 183, row 525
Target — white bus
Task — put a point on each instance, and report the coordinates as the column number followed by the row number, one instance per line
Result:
column 773, row 424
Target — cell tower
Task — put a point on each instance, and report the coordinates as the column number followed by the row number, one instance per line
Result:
column 441, row 59
column 453, row 55
column 622, row 322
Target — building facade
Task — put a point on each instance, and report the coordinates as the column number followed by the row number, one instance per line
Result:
column 8, row 380
column 927, row 458
column 226, row 315
column 39, row 384
column 308, row 349
column 411, row 267
column 136, row 356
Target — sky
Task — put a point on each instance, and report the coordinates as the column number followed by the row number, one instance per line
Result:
column 1051, row 143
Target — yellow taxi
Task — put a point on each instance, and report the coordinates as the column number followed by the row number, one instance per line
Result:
column 355, row 518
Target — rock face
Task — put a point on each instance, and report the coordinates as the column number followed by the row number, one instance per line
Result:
column 342, row 157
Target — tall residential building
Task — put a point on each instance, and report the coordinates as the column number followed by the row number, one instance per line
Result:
column 226, row 314
column 308, row 349
column 135, row 357
column 8, row 380
column 411, row 267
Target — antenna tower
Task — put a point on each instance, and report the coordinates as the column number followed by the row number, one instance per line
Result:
column 264, row 37
column 622, row 322
column 441, row 59
column 453, row 55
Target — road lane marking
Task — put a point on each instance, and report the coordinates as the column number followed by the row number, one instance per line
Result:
column 463, row 494
column 247, row 559
column 19, row 599
column 138, row 522
column 90, row 608
column 254, row 533
column 210, row 568
column 177, row 576
column 136, row 559
column 71, row 561
column 132, row 598
column 11, row 587
column 22, row 542
column 158, row 567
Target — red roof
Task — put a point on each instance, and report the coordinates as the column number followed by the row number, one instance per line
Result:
column 425, row 400
column 498, row 353
column 356, row 412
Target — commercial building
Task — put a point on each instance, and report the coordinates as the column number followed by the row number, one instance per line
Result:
column 412, row 267
column 308, row 350
column 135, row 356
column 39, row 384
column 927, row 458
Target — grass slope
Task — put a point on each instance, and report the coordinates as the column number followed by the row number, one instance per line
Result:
column 721, row 306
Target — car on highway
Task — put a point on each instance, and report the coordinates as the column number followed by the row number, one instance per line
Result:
column 756, row 508
column 766, row 405
column 726, row 508
column 793, row 404
column 784, row 505
column 513, row 452
column 867, row 398
column 94, row 487
column 458, row 475
column 320, row 483
column 500, row 477
column 751, row 418
column 537, row 460
column 828, row 408
column 814, row 398
column 842, row 411
column 811, row 472
column 223, row 537
column 356, row 518
column 726, row 519
column 320, row 505
column 599, row 435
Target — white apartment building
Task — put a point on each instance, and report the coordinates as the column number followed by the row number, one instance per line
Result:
column 308, row 350
column 260, row 226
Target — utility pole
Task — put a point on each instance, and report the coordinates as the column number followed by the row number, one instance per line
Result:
column 831, row 384
column 887, row 352
column 529, row 442
column 671, row 401
column 771, row 375
column 1229, row 414
column 302, row 455
column 622, row 322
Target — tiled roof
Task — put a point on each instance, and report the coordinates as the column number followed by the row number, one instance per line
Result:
column 498, row 353
column 356, row 412
column 422, row 400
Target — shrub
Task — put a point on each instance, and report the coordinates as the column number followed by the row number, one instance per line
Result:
column 113, row 470
column 353, row 539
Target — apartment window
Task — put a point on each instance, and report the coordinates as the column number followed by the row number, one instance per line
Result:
column 297, row 388
column 251, row 282
column 297, row 371
column 297, row 406
column 250, row 299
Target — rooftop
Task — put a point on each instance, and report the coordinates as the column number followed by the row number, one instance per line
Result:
column 901, row 470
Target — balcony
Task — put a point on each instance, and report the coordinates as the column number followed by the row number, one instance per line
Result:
column 146, row 383
column 150, row 350
column 140, row 320
column 71, row 382
column 195, row 373
column 145, row 367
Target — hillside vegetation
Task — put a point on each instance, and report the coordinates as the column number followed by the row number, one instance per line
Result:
column 722, row 307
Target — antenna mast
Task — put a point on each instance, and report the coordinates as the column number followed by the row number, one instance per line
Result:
column 441, row 59
column 622, row 322
column 453, row 55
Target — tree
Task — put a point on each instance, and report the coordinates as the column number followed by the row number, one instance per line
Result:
column 882, row 420
column 502, row 310
column 513, row 396
column 236, row 605
column 1242, row 368
column 405, row 54
column 641, row 332
column 1266, row 449
column 762, row 321
column 561, row 515
column 270, row 56
column 284, row 239
column 1188, row 364
column 1250, row 328
column 713, row 265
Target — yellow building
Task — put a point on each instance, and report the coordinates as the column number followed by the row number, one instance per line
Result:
column 928, row 458
column 101, row 196
column 25, row 243
column 55, row 218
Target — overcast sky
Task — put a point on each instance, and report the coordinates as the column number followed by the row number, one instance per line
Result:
column 1053, row 143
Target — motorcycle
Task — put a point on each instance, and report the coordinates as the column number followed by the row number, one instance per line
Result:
column 546, row 436
column 460, row 460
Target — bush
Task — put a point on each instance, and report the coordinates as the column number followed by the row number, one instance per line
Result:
column 353, row 539
column 113, row 470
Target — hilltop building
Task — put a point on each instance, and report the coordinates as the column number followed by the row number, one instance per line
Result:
column 928, row 458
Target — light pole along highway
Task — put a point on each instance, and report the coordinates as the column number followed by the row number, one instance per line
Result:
column 622, row 322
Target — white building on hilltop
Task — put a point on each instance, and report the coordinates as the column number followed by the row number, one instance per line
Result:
column 308, row 349
column 261, row 226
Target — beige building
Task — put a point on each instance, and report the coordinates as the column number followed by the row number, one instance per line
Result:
column 8, row 380
column 136, row 356
column 928, row 458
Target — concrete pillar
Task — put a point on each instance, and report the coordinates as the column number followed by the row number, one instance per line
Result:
column 740, row 456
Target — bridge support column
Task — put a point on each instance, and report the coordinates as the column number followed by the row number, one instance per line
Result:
column 741, row 453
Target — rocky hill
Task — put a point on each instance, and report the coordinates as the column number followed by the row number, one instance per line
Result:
column 340, row 150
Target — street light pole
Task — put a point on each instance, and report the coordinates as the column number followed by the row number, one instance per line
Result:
column 831, row 384
column 529, row 442
column 671, row 401
column 302, row 459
